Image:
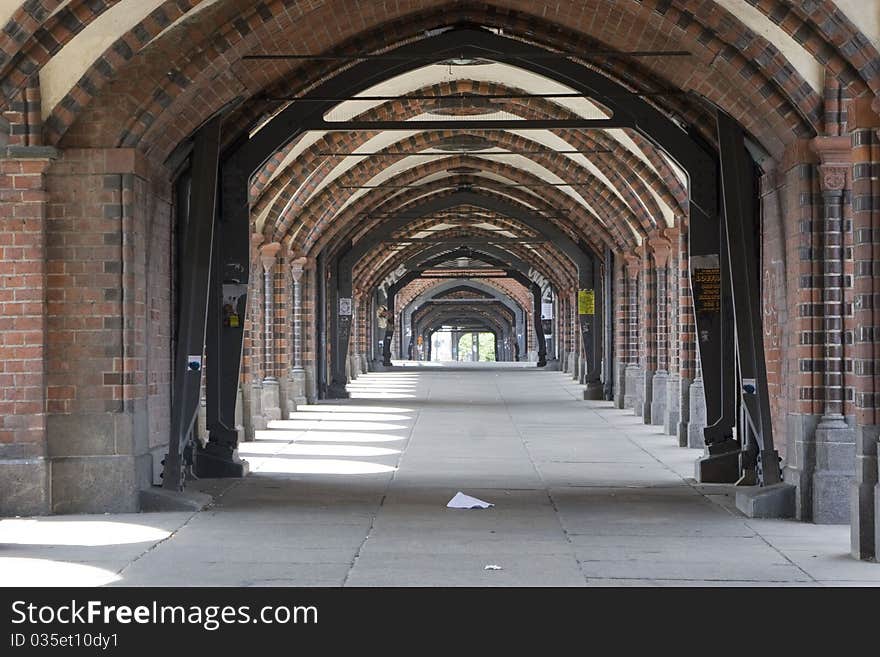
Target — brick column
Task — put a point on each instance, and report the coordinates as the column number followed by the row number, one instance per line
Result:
column 799, row 189
column 253, row 348
column 864, row 121
column 297, row 372
column 835, row 439
column 24, row 468
column 686, row 343
column 270, row 397
column 631, row 392
column 619, row 304
column 647, row 339
column 660, row 251
column 672, row 412
column 109, row 260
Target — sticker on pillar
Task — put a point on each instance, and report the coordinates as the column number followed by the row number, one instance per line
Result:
column 586, row 302
column 194, row 363
column 749, row 386
column 706, row 283
column 234, row 297
column 345, row 306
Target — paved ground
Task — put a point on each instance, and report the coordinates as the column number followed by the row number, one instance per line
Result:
column 355, row 493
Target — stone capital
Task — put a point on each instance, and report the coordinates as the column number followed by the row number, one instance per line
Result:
column 256, row 240
column 632, row 265
column 297, row 267
column 269, row 255
column 660, row 248
column 833, row 177
column 835, row 161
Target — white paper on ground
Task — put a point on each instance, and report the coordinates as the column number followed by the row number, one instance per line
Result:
column 462, row 501
column 492, row 566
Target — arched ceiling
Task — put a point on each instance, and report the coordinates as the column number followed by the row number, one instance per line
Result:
column 145, row 73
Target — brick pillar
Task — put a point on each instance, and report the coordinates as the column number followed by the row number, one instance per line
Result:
column 864, row 121
column 800, row 196
column 631, row 393
column 672, row 413
column 271, row 397
column 660, row 251
column 254, row 344
column 110, row 317
column 354, row 355
column 619, row 304
column 686, row 343
column 297, row 371
column 575, row 333
column 24, row 468
column 647, row 334
column 835, row 439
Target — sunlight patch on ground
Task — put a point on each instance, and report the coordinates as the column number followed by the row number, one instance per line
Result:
column 342, row 425
column 336, row 415
column 316, row 449
column 340, row 408
column 27, row 531
column 15, row 571
column 343, row 437
column 274, row 465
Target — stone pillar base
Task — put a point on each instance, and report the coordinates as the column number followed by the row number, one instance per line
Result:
column 646, row 382
column 619, row 385
column 659, row 382
column 258, row 422
column 630, row 394
column 354, row 366
column 684, row 406
column 673, row 396
column 298, row 386
column 696, row 415
column 864, row 494
column 270, row 399
column 582, row 372
column 800, row 460
column 97, row 484
column 24, row 487
column 834, row 475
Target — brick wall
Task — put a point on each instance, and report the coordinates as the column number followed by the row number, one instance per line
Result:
column 109, row 317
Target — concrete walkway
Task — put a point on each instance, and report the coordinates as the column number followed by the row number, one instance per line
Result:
column 355, row 494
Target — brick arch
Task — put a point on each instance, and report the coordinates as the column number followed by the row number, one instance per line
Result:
column 464, row 291
column 373, row 267
column 576, row 227
column 414, row 198
column 33, row 35
column 316, row 212
column 551, row 262
column 284, row 193
column 154, row 126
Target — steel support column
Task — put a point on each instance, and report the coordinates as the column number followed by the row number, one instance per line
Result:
column 196, row 205
column 230, row 274
column 740, row 220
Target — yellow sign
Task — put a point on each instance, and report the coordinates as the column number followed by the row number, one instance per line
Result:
column 586, row 302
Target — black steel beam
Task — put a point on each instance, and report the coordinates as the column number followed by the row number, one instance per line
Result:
column 740, row 193
column 230, row 274
column 196, row 206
